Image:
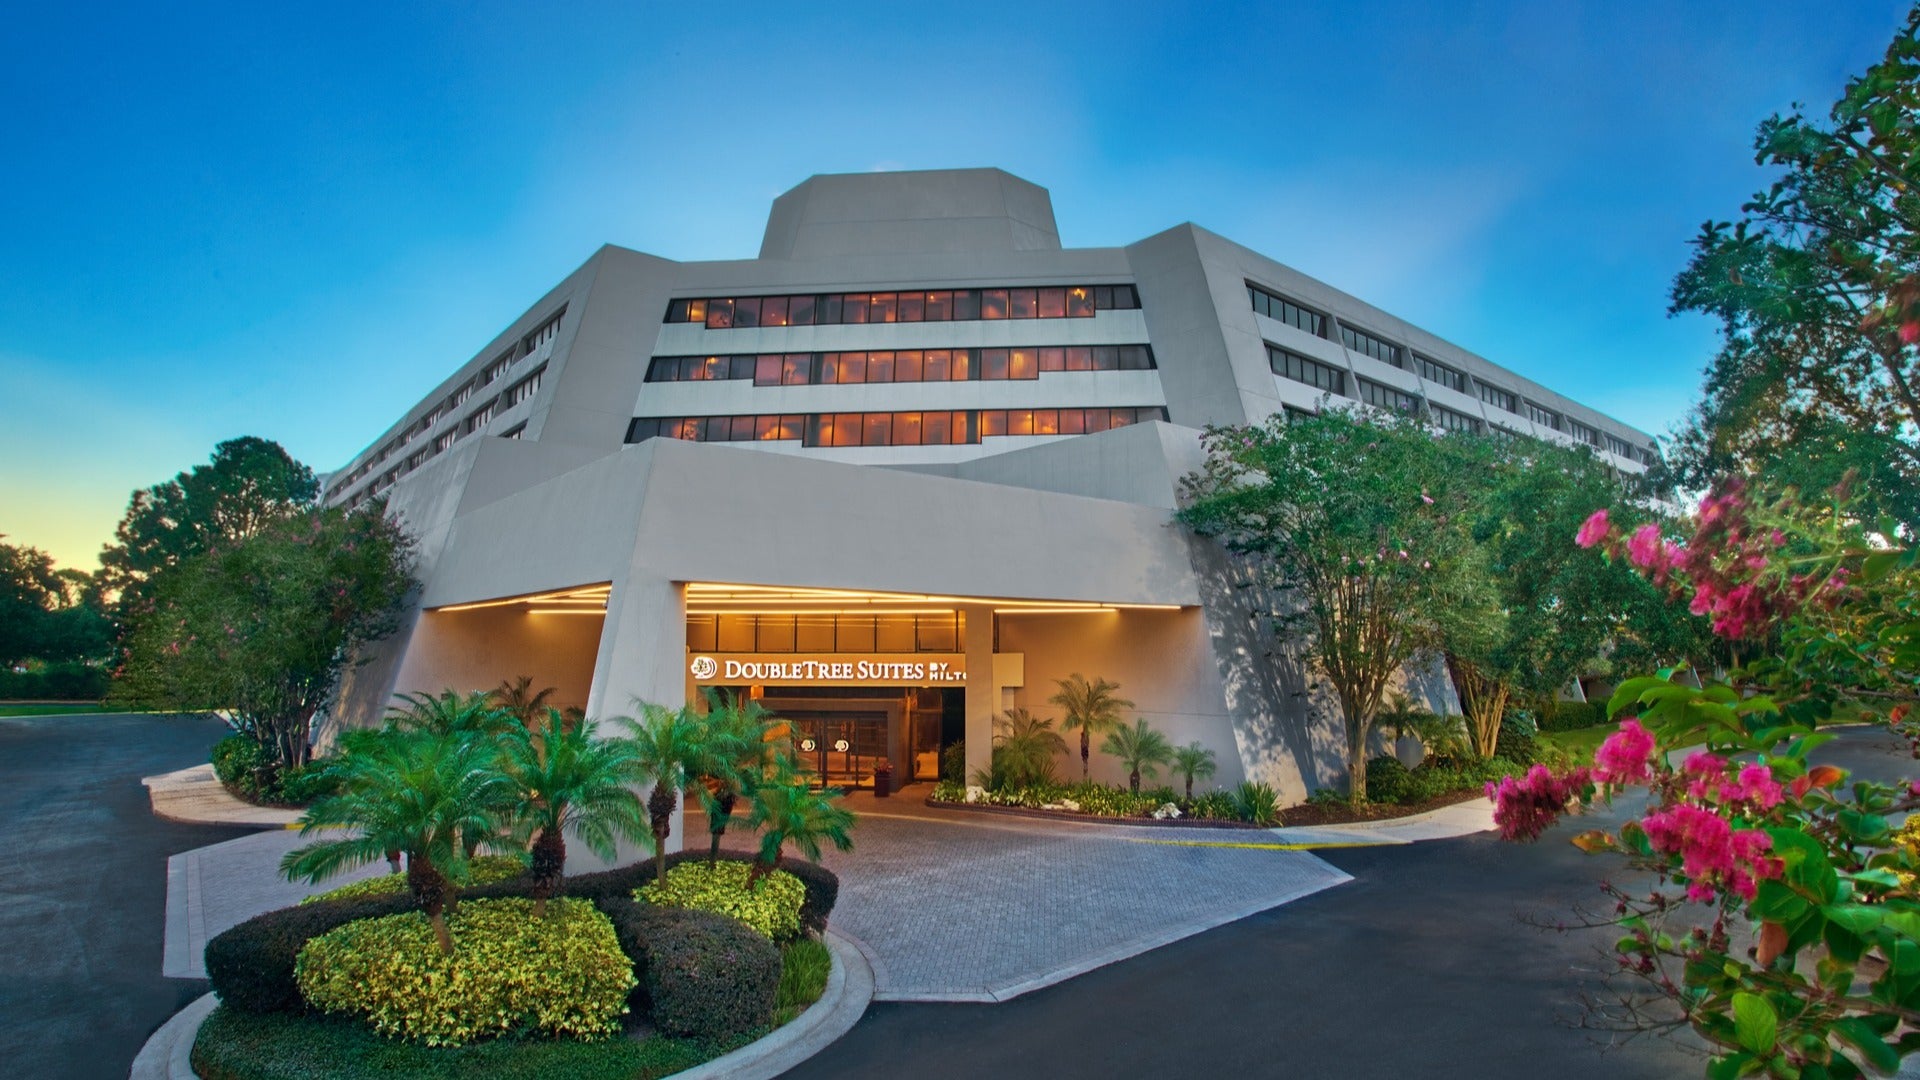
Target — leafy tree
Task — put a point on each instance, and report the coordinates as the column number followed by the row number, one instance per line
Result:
column 564, row 776
column 413, row 791
column 673, row 748
column 1191, row 762
column 745, row 744
column 1092, row 708
column 519, row 698
column 29, row 591
column 786, row 809
column 1817, row 290
column 263, row 627
column 1140, row 748
column 249, row 486
column 1359, row 526
column 1024, row 749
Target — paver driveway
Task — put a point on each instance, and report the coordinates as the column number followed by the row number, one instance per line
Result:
column 958, row 906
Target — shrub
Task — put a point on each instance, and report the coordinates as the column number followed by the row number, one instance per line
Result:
column 1574, row 715
column 485, row 870
column 563, row 974
column 240, row 764
column 1214, row 806
column 65, row 681
column 805, row 965
column 1327, row 796
column 953, row 764
column 702, row 975
column 770, row 905
column 251, row 965
column 1255, row 802
column 1387, row 780
column 1517, row 737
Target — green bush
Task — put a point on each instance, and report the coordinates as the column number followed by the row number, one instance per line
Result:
column 1256, row 803
column 234, row 1045
column 770, row 905
column 1214, row 806
column 483, row 870
column 701, row 975
column 510, row 973
column 251, row 965
column 234, row 759
column 1574, row 715
column 69, row 681
column 805, row 965
column 1387, row 780
column 953, row 763
column 240, row 763
column 1518, row 737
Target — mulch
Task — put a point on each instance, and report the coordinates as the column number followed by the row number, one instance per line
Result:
column 1343, row 814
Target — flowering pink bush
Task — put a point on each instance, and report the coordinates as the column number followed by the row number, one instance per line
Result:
column 1626, row 757
column 1524, row 808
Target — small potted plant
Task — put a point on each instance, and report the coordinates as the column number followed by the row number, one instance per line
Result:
column 882, row 778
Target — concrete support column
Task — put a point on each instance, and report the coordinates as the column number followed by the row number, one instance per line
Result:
column 643, row 654
column 983, row 697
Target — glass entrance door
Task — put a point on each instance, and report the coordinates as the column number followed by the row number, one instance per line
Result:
column 839, row 750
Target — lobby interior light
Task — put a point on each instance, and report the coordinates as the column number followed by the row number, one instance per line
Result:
column 722, row 598
column 586, row 597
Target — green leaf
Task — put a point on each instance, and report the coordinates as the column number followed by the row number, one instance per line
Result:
column 1730, row 1066
column 1855, row 918
column 1874, row 1051
column 1755, row 1023
column 1776, row 902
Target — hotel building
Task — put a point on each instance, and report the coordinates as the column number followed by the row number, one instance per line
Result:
column 902, row 471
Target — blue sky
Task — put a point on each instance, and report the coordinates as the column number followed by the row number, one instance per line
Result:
column 293, row 221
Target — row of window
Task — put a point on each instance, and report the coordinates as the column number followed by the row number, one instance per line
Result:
column 925, row 428
column 826, row 633
column 934, row 305
column 904, row 365
column 1300, row 369
column 531, row 342
column 1285, row 310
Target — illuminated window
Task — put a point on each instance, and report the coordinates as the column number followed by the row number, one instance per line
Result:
column 746, row 311
column 773, row 311
column 966, row 305
column 1052, row 304
column 1079, row 301
column 939, row 306
column 913, row 306
column 1022, row 303
column 881, row 309
column 719, row 314
column 993, row 303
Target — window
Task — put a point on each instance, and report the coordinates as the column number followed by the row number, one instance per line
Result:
column 905, row 365
column 460, row 396
column 446, row 441
column 935, row 305
column 1436, row 372
column 543, row 334
column 1498, row 398
column 1546, row 418
column 1619, row 448
column 1450, row 420
column 1388, row 397
column 1302, row 370
column 496, row 369
column 1285, row 310
column 525, row 388
column 482, row 415
column 1362, row 342
column 1583, row 433
column 920, row 428
column 514, row 432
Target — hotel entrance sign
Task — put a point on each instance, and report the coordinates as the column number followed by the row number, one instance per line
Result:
column 828, row 669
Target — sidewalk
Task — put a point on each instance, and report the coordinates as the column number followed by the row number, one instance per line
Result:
column 1460, row 819
column 194, row 795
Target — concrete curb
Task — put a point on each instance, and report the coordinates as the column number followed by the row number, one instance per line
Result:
column 1448, row 822
column 168, row 1053
column 194, row 796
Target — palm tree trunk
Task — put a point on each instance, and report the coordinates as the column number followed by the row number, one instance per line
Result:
column 1133, row 781
column 660, row 813
column 718, row 825
column 432, row 890
column 549, row 867
column 1086, row 751
column 1189, row 787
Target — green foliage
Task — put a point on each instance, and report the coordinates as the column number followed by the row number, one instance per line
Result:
column 485, row 870
column 1518, row 737
column 1193, row 762
column 245, row 770
column 50, row 616
column 953, row 763
column 1574, row 715
column 769, row 904
column 511, row 973
column 563, row 778
column 1091, row 707
column 1141, row 750
column 234, row 1045
column 1359, row 526
column 251, row 966
column 1024, row 749
column 705, row 976
column 1214, row 806
column 674, row 748
column 787, row 809
column 55, row 682
column 1256, row 803
column 805, row 965
column 1387, row 779
column 263, row 626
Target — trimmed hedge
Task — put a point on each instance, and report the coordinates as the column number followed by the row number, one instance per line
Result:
column 771, row 905
column 70, row 681
column 1573, row 715
column 482, row 870
column 704, row 975
column 251, row 965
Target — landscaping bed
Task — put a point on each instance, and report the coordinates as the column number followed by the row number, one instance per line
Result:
column 1081, row 816
column 1327, row 812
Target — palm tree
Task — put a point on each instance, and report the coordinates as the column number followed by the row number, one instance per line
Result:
column 1092, row 708
column 412, row 791
column 1193, row 760
column 786, row 809
column 745, row 744
column 518, row 698
column 449, row 712
column 1140, row 748
column 671, row 747
column 1025, row 747
column 565, row 777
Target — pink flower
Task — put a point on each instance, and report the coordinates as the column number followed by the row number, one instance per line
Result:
column 1713, row 855
column 1909, row 332
column 1626, row 757
column 1756, row 785
column 1645, row 548
column 1704, row 773
column 1524, row 808
column 1426, row 498
column 1593, row 530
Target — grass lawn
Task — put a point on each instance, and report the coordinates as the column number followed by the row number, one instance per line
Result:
column 52, row 710
column 1580, row 742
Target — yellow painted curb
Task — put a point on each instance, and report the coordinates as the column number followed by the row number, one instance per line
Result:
column 1258, row 846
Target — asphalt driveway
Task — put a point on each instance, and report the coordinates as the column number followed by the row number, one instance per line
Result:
column 83, row 884
column 1425, row 965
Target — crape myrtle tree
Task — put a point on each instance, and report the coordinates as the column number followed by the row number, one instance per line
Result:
column 1360, row 525
column 248, row 486
column 1817, row 289
column 262, row 627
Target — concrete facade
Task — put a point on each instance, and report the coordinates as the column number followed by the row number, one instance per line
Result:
column 538, row 468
